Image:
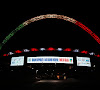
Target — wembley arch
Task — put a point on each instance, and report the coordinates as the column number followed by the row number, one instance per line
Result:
column 37, row 18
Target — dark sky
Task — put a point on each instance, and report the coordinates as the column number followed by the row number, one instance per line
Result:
column 49, row 32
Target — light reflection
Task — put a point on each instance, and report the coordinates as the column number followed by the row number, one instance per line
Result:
column 49, row 81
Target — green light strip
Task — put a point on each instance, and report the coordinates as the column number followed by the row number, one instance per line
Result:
column 11, row 34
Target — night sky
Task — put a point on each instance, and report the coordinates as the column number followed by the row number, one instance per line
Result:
column 49, row 32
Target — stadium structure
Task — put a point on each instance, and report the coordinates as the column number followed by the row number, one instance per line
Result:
column 51, row 63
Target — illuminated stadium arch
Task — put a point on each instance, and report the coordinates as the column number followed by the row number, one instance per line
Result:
column 50, row 16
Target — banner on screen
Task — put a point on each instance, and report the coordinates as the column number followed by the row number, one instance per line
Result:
column 17, row 61
column 66, row 60
column 83, row 61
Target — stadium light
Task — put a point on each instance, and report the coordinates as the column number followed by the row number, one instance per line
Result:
column 10, row 53
column 36, row 71
column 26, row 50
column 92, row 53
column 59, row 49
column 76, row 50
column 5, row 54
column 42, row 49
column 93, row 65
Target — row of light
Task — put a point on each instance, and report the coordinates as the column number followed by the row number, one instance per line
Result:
column 51, row 49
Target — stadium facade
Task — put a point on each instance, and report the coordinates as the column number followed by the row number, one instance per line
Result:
column 51, row 64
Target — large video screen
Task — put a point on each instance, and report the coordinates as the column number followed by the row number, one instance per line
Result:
column 17, row 61
column 66, row 60
column 83, row 61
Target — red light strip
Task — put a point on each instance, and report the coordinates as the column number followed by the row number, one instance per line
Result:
column 88, row 30
column 97, row 55
column 18, row 51
column 5, row 55
column 67, row 49
column 85, row 52
column 34, row 49
column 51, row 49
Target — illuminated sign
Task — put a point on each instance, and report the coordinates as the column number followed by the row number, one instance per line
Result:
column 50, row 60
column 83, row 61
column 17, row 61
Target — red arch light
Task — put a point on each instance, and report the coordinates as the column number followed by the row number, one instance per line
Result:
column 88, row 30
